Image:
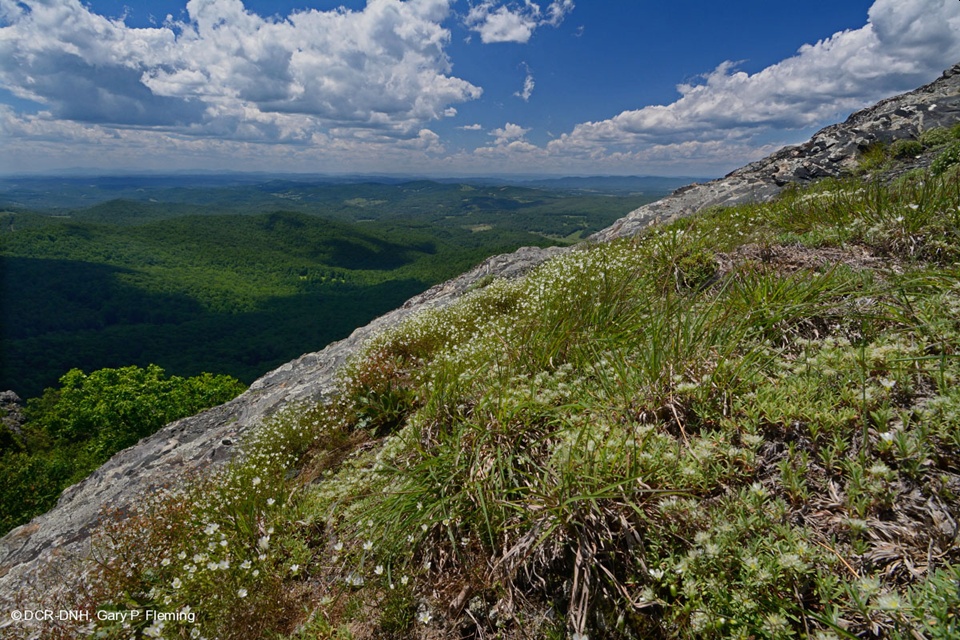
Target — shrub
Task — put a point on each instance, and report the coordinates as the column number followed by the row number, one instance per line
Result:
column 947, row 158
column 873, row 157
column 906, row 148
column 936, row 137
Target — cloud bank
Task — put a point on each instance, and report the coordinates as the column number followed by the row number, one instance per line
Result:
column 230, row 73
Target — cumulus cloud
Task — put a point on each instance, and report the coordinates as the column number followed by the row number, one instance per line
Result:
column 510, row 139
column 509, row 132
column 514, row 22
column 471, row 127
column 904, row 43
column 226, row 71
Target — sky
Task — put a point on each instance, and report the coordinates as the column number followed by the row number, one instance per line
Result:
column 447, row 87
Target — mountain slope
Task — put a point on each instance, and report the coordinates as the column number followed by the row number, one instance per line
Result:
column 831, row 260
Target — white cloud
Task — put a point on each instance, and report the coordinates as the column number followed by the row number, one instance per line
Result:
column 509, row 140
column 528, row 85
column 904, row 43
column 225, row 71
column 508, row 132
column 512, row 21
column 471, row 127
column 730, row 117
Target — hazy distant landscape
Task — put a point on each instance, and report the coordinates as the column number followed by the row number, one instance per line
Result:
column 238, row 273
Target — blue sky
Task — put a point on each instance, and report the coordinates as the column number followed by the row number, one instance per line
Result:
column 447, row 87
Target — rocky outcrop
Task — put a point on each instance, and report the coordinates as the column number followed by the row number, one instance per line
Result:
column 831, row 152
column 11, row 411
column 208, row 439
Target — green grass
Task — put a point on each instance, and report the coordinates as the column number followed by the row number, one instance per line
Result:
column 741, row 425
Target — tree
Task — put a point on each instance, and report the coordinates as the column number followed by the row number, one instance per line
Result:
column 71, row 430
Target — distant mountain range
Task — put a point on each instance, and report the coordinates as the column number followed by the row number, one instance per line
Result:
column 72, row 190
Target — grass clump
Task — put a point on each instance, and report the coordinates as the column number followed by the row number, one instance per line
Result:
column 739, row 425
column 937, row 136
column 949, row 157
column 905, row 148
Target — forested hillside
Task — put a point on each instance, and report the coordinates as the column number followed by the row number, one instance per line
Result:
column 239, row 279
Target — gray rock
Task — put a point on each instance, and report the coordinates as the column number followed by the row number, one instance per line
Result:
column 11, row 411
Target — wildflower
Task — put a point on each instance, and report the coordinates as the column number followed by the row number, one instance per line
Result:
column 869, row 586
column 211, row 528
column 368, row 545
column 338, row 547
column 879, row 469
column 294, row 568
column 379, row 570
column 404, row 580
column 758, row 490
column 890, row 602
column 264, row 542
column 776, row 625
column 245, row 564
column 792, row 562
column 256, row 480
column 177, row 583
column 270, row 502
column 241, row 592
column 424, row 617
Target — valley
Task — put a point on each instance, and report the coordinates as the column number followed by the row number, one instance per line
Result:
column 236, row 275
